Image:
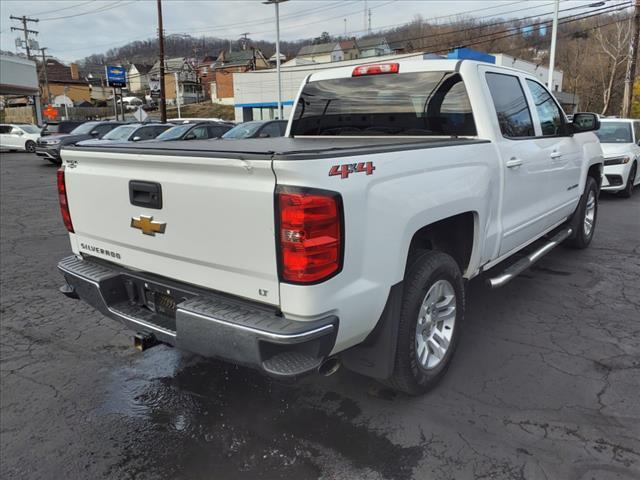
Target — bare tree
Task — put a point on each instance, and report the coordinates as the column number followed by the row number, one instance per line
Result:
column 614, row 43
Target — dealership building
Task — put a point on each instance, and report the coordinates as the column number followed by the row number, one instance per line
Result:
column 256, row 92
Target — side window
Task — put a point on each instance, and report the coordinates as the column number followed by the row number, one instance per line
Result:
column 200, row 132
column 511, row 105
column 215, row 132
column 283, row 128
column 636, row 129
column 549, row 113
column 145, row 133
column 102, row 129
column 5, row 129
column 271, row 129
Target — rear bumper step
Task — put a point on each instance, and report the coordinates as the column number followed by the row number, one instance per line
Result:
column 521, row 265
column 203, row 322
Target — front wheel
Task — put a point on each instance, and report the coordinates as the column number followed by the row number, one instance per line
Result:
column 628, row 189
column 585, row 217
column 429, row 324
column 30, row 146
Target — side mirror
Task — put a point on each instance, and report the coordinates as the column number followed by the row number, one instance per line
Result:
column 19, row 133
column 264, row 135
column 191, row 136
column 585, row 122
column 94, row 133
column 136, row 138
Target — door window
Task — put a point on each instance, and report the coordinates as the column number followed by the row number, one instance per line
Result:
column 146, row 133
column 270, row 130
column 636, row 129
column 215, row 132
column 511, row 105
column 548, row 112
column 4, row 129
column 102, row 129
column 199, row 133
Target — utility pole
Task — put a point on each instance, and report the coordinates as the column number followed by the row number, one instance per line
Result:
column 44, row 69
column 25, row 30
column 244, row 40
column 630, row 74
column 163, row 98
column 369, row 27
column 277, row 4
column 365, row 16
column 66, row 108
column 554, row 35
column 177, row 81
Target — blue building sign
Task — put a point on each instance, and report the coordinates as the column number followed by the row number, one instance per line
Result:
column 116, row 76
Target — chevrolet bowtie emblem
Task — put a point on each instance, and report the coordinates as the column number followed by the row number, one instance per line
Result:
column 147, row 225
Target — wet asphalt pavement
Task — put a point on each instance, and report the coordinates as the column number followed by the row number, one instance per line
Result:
column 545, row 383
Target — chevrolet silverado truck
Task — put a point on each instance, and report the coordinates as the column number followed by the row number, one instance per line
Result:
column 351, row 239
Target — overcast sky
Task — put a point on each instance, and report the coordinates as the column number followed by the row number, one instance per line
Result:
column 74, row 29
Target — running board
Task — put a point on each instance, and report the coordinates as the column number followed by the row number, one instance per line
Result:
column 521, row 265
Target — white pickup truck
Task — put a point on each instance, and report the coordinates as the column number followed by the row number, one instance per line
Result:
column 348, row 241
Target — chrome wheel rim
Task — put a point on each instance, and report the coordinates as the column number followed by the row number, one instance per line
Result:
column 436, row 321
column 590, row 213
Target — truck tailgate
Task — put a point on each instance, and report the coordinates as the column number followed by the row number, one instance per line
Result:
column 218, row 216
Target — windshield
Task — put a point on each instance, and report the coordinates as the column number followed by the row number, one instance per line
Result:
column 30, row 128
column 244, row 130
column 615, row 132
column 425, row 103
column 84, row 128
column 174, row 132
column 120, row 133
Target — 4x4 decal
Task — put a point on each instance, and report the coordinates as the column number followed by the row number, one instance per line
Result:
column 348, row 168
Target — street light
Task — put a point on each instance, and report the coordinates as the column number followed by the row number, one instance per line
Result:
column 276, row 3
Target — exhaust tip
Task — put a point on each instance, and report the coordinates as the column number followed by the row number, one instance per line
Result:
column 329, row 367
column 144, row 341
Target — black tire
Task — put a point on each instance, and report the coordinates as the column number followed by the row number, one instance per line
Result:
column 30, row 146
column 628, row 189
column 580, row 237
column 409, row 375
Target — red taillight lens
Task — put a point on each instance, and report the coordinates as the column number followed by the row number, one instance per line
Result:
column 376, row 69
column 64, row 204
column 310, row 235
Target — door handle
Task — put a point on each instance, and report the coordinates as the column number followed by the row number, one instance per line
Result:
column 514, row 162
column 555, row 155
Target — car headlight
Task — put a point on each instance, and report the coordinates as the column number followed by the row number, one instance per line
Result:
column 52, row 142
column 617, row 160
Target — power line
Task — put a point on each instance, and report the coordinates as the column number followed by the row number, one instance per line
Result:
column 101, row 9
column 65, row 8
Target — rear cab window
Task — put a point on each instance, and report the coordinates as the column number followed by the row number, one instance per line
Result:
column 510, row 102
column 403, row 104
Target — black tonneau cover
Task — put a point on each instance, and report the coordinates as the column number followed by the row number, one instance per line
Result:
column 280, row 148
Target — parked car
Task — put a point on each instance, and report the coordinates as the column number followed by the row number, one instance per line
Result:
column 296, row 254
column 620, row 140
column 49, row 147
column 195, row 131
column 59, row 128
column 132, row 132
column 19, row 136
column 257, row 129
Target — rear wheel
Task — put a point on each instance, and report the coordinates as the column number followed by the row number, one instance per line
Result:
column 585, row 217
column 628, row 189
column 430, row 321
column 30, row 146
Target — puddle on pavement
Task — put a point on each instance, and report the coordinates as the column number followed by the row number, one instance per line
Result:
column 197, row 418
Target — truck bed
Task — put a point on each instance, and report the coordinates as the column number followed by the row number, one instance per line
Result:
column 282, row 148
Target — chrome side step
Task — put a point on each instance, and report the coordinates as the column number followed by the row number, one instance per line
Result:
column 521, row 265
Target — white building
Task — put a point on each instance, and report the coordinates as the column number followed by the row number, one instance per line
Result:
column 537, row 70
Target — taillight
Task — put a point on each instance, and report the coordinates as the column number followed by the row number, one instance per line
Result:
column 376, row 69
column 310, row 234
column 64, row 203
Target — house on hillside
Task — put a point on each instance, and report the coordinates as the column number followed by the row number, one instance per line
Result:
column 138, row 77
column 272, row 59
column 401, row 46
column 180, row 80
column 345, row 50
column 217, row 76
column 100, row 92
column 374, row 47
column 65, row 84
column 318, row 53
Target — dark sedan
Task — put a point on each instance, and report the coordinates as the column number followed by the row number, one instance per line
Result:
column 195, row 131
column 49, row 146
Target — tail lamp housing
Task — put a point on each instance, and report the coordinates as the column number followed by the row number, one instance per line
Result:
column 310, row 234
column 375, row 69
column 64, row 202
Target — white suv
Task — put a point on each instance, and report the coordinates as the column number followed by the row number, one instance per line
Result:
column 19, row 136
column 620, row 140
